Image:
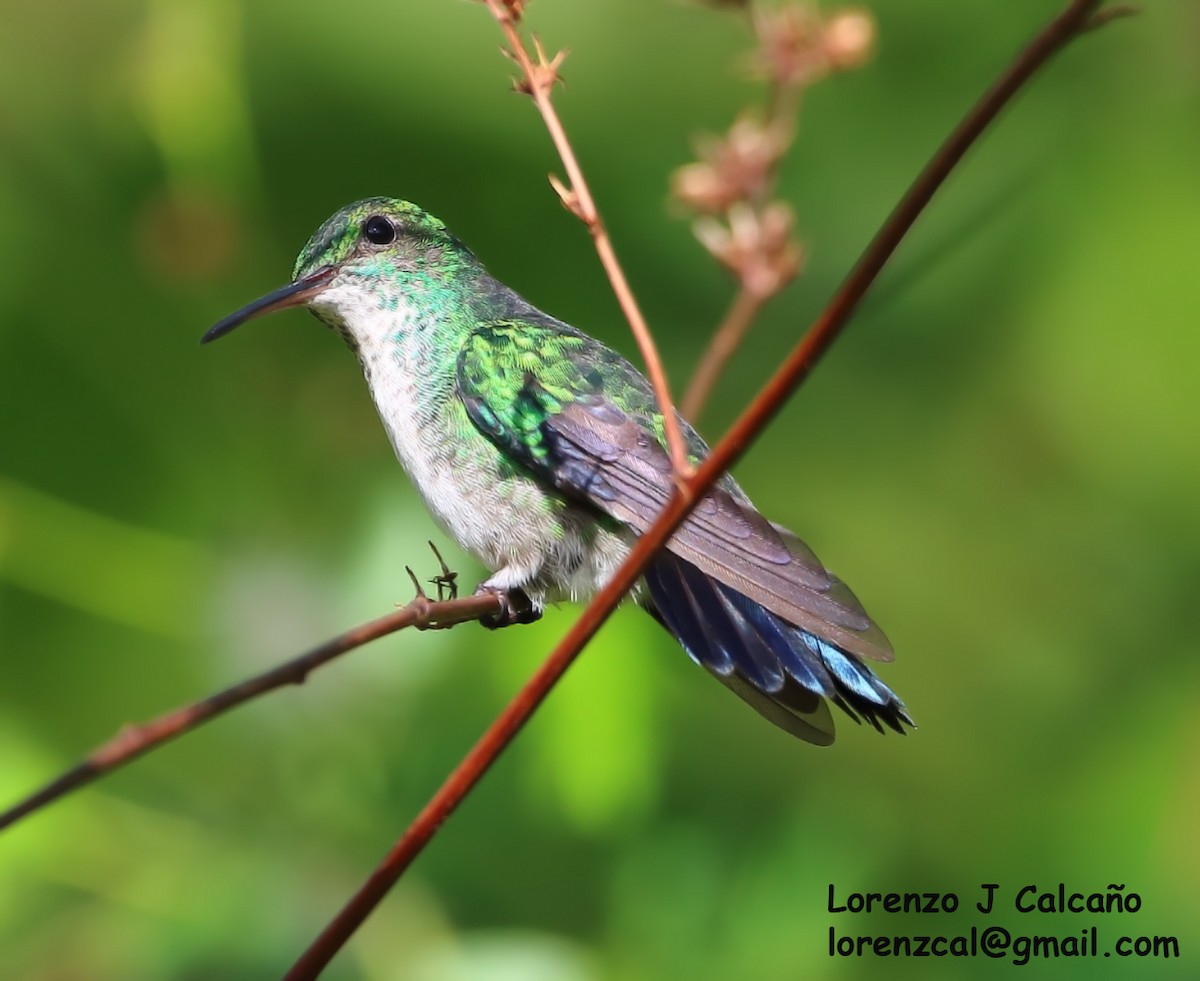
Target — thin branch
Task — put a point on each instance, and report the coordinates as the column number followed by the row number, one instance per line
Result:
column 134, row 740
column 690, row 490
column 725, row 340
column 538, row 81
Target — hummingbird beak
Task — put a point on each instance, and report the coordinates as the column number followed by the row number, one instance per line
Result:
column 293, row 295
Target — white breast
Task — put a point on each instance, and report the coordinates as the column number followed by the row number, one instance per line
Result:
column 520, row 531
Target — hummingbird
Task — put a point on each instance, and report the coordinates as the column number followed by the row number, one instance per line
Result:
column 542, row 453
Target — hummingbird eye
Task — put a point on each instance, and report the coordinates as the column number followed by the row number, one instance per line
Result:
column 379, row 230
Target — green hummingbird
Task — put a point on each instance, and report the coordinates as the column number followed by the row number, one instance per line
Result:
column 542, row 452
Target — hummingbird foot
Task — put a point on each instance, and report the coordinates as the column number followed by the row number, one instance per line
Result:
column 515, row 607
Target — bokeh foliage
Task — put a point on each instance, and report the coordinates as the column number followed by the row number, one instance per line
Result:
column 1001, row 457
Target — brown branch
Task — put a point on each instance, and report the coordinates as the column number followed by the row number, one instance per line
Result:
column 690, row 490
column 725, row 340
column 134, row 740
column 538, row 81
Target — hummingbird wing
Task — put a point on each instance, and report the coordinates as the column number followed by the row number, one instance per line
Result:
column 584, row 420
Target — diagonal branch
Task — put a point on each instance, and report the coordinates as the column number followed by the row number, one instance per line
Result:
column 538, row 80
column 1074, row 20
column 134, row 740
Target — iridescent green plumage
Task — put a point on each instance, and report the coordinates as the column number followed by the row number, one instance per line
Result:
column 541, row 451
column 517, row 374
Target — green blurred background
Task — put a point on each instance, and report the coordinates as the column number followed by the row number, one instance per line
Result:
column 1001, row 456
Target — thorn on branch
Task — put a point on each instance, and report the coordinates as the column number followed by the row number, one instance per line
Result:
column 540, row 75
column 416, row 585
column 1115, row 12
column 446, row 581
column 569, row 198
column 419, row 604
column 545, row 73
column 519, row 83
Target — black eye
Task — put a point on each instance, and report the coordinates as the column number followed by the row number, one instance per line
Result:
column 379, row 230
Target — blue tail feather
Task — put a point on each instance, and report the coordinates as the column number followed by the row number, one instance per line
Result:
column 674, row 609
column 781, row 669
column 725, row 625
column 782, row 638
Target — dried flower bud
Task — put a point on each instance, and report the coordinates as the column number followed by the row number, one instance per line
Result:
column 715, row 237
column 849, row 39
column 734, row 168
column 756, row 246
column 791, row 48
column 701, row 188
column 797, row 47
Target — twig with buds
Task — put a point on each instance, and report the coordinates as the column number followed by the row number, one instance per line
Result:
column 538, row 77
column 731, row 187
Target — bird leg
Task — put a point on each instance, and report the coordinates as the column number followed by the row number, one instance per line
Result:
column 515, row 607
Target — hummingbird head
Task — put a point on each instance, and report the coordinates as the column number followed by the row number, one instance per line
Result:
column 370, row 256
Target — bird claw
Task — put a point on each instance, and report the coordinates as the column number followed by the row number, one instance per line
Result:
column 515, row 607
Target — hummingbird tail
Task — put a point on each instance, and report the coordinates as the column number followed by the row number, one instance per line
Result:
column 783, row 671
